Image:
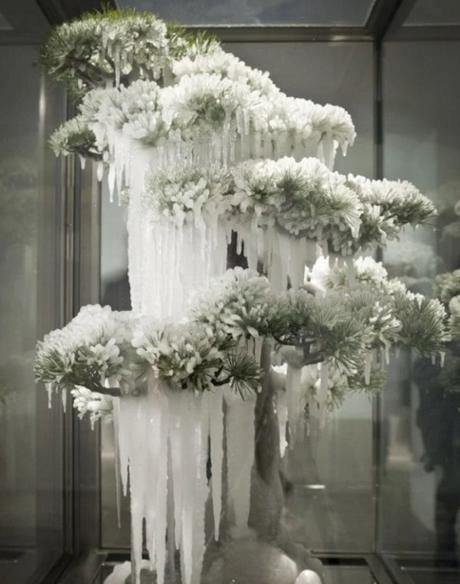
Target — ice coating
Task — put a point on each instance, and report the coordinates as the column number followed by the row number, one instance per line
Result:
column 240, row 439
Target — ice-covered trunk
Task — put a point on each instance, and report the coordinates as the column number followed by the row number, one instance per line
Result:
column 258, row 492
column 267, row 496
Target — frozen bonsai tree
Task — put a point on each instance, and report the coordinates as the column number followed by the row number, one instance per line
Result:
column 252, row 304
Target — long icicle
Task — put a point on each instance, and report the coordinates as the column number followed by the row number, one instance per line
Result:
column 132, row 433
column 240, row 436
column 216, row 431
column 119, row 479
column 293, row 389
column 176, row 462
column 194, row 439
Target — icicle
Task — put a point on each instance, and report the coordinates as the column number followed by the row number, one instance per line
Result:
column 239, row 121
column 160, row 428
column 256, row 148
column 245, row 148
column 245, row 122
column 133, row 413
column 64, row 399
column 293, row 390
column 171, row 547
column 232, row 151
column 120, row 479
column 215, row 405
column 322, row 392
column 111, row 177
column 176, row 462
column 387, row 354
column 258, row 344
column 116, row 62
column 194, row 448
column 267, row 146
column 299, row 256
column 251, row 250
column 276, row 265
column 240, row 456
column 368, row 367
column 100, row 171
column 49, row 390
column 282, row 415
column 327, row 150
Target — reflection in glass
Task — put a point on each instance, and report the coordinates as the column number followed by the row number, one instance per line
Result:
column 420, row 474
column 31, row 516
column 259, row 12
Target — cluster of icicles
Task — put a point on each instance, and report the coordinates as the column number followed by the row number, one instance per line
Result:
column 163, row 439
column 229, row 145
column 167, row 261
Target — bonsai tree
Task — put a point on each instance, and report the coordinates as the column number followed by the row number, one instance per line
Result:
column 247, row 288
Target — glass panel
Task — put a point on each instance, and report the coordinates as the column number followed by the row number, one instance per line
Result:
column 31, row 446
column 429, row 13
column 420, row 474
column 337, row 516
column 4, row 24
column 259, row 12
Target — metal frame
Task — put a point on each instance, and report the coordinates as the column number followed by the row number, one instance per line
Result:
column 83, row 556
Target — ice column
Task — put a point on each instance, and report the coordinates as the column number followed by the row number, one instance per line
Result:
column 240, row 436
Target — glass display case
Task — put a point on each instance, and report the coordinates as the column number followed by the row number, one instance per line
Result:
column 375, row 493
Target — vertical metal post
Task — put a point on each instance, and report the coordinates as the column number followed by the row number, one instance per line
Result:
column 86, row 285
